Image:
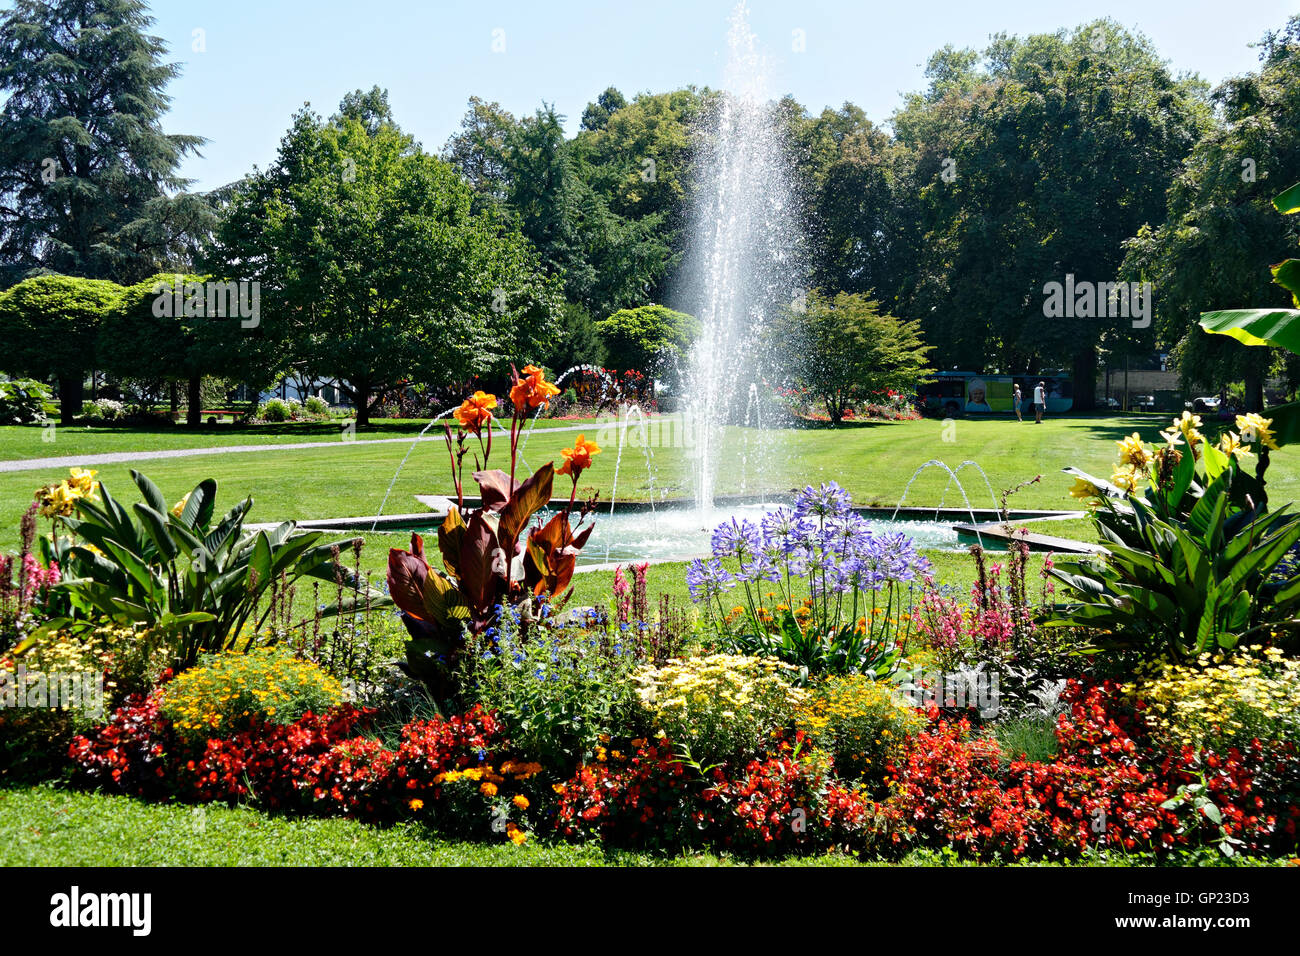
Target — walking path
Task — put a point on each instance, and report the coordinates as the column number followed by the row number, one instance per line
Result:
column 118, row 457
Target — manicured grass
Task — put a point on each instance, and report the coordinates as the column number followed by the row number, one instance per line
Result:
column 21, row 442
column 874, row 461
column 44, row 826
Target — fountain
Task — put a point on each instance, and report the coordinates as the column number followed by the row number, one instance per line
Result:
column 743, row 255
column 952, row 477
column 957, row 471
column 645, row 447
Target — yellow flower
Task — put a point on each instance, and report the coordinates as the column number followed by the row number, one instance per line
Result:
column 1186, row 427
column 520, row 801
column 417, row 804
column 1230, row 444
column 1133, row 453
column 179, row 507
column 1125, row 479
column 1082, row 488
column 488, row 789
column 517, row 836
column 1257, row 428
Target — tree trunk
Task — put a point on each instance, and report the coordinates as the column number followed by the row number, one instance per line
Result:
column 194, row 414
column 71, row 395
column 1254, row 383
column 174, row 398
column 361, row 401
column 1085, row 380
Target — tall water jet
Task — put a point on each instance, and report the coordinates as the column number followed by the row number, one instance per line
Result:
column 744, row 250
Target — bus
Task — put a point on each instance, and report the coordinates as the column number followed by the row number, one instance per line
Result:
column 954, row 393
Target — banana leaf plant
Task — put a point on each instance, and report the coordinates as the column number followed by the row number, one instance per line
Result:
column 179, row 573
column 488, row 562
column 1195, row 563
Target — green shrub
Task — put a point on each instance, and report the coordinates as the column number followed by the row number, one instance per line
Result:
column 174, row 569
column 560, row 691
column 226, row 692
column 722, row 706
column 317, row 407
column 23, row 402
column 274, row 411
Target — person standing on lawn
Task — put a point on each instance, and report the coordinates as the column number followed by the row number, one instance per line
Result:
column 1040, row 402
column 1017, row 400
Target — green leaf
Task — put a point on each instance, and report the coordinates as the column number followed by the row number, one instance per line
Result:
column 155, row 525
column 198, row 509
column 1287, row 275
column 1288, row 201
column 1277, row 327
column 152, row 495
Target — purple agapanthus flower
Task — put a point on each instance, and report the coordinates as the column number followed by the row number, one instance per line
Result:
column 707, row 579
column 762, row 566
column 828, row 501
column 845, row 534
column 785, row 530
column 736, row 539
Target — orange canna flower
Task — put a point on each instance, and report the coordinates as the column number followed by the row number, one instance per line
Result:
column 476, row 411
column 531, row 389
column 578, row 458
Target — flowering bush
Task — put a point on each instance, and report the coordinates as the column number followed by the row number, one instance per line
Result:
column 862, row 723
column 488, row 561
column 104, row 410
column 128, row 754
column 1248, row 695
column 786, row 802
column 840, row 592
column 648, row 798
column 1196, row 554
column 722, row 706
column 229, row 691
column 25, row 584
column 559, row 691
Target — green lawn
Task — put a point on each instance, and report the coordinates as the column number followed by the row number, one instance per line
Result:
column 44, row 826
column 874, row 461
column 33, row 441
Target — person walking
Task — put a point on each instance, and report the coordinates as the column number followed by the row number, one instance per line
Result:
column 1017, row 401
column 1040, row 403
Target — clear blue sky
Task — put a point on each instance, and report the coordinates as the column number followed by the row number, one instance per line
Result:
column 264, row 58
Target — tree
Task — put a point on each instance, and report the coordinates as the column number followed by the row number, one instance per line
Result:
column 535, row 177
column 843, row 349
column 596, row 115
column 1038, row 164
column 651, row 339
column 85, row 166
column 49, row 326
column 577, row 341
column 374, row 267
column 1220, row 231
column 167, row 327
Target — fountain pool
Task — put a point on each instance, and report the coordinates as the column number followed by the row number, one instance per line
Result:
column 678, row 531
